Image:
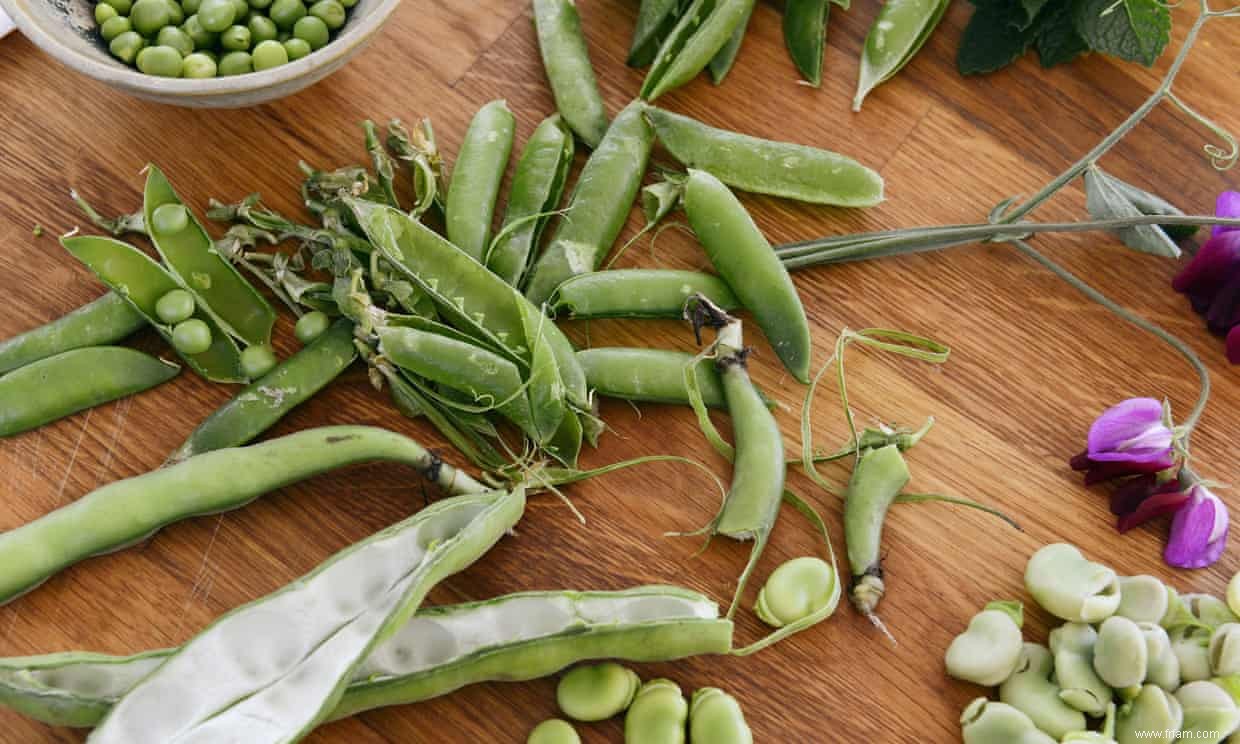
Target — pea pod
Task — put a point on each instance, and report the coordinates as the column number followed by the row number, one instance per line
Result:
column 761, row 166
column 746, row 262
column 649, row 375
column 899, row 32
column 721, row 64
column 704, row 28
column 72, row 381
column 599, row 206
column 99, row 323
column 1030, row 690
column 989, row 651
column 1153, row 716
column 476, row 178
column 227, row 297
column 986, row 722
column 658, row 715
column 121, row 513
column 716, row 717
column 236, row 680
column 131, row 274
column 655, row 20
column 638, row 293
column 1070, row 587
column 537, row 186
column 269, row 398
column 878, row 477
column 805, row 33
column 567, row 62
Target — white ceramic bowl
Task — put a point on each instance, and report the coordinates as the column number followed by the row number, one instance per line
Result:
column 66, row 30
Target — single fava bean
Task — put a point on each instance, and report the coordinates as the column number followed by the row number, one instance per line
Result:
column 1105, row 736
column 1030, row 690
column 1191, row 648
column 1071, row 587
column 1233, row 595
column 989, row 650
column 598, row 692
column 658, row 714
column 1209, row 610
column 1154, row 715
column 1072, row 646
column 987, row 722
column 554, row 731
column 1120, row 653
column 1142, row 599
column 796, row 590
column 715, row 717
column 1162, row 666
column 1224, row 650
column 1210, row 713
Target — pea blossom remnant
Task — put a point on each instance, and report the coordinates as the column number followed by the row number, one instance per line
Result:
column 1211, row 280
column 1133, row 446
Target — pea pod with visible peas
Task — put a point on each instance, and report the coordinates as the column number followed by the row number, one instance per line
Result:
column 716, row 717
column 98, row 323
column 476, row 178
column 899, row 32
column 638, row 293
column 761, row 166
column 121, row 513
column 567, row 62
column 187, row 250
column 703, row 29
column 537, row 186
column 600, row 204
column 658, row 715
column 132, row 275
column 61, row 385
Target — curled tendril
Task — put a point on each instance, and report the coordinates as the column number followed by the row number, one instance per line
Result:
column 1222, row 158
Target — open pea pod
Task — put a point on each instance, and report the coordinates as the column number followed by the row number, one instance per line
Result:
column 805, row 35
column 131, row 274
column 232, row 301
column 272, row 670
column 705, row 28
column 899, row 32
column 721, row 64
column 655, row 20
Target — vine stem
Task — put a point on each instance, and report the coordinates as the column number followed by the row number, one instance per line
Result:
column 1204, row 374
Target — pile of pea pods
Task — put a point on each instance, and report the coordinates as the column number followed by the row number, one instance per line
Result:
column 1150, row 664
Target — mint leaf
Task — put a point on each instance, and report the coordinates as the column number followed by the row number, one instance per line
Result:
column 994, row 38
column 1032, row 8
column 1135, row 30
column 1058, row 42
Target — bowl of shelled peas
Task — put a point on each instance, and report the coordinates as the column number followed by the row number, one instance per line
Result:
column 202, row 53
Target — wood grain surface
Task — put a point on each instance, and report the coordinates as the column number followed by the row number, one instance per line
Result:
column 1032, row 361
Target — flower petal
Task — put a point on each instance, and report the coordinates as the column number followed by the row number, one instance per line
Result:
column 1130, row 494
column 1100, row 472
column 1131, row 431
column 1233, row 345
column 1214, row 263
column 1159, row 505
column 1228, row 206
column 1198, row 532
column 1224, row 313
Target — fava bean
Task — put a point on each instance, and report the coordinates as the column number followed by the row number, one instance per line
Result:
column 104, row 13
column 1210, row 713
column 1142, row 599
column 476, row 178
column 649, row 375
column 61, row 385
column 989, row 651
column 262, row 29
column 1191, row 647
column 199, row 66
column 1163, row 667
column 878, row 477
column 1030, row 690
column 1208, row 610
column 101, row 322
column 236, row 63
column 567, row 62
column 1224, row 650
column 216, row 15
column 596, row 693
column 986, row 722
column 1154, row 715
column 699, row 34
column 161, row 61
column 237, row 39
column 1071, row 587
column 1233, row 594
column 1120, row 653
column 638, row 293
column 716, row 717
column 296, row 48
column 658, row 715
column 257, row 361
column 899, row 32
column 796, row 590
column 1072, row 645
column 330, row 12
column 286, row 13
column 203, row 39
column 554, row 731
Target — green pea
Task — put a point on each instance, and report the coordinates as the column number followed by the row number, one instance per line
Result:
column 122, row 7
column 191, row 336
column 105, row 13
column 658, row 714
column 171, row 36
column 176, row 15
column 216, row 15
column 202, row 38
column 236, row 63
column 236, row 39
column 330, row 12
column 716, row 717
column 126, row 46
column 257, row 361
column 348, row 3
column 169, row 219
column 114, row 27
column 241, row 11
column 262, row 29
column 148, row 16
column 296, row 48
column 260, row 4
column 286, row 13
column 598, row 692
column 175, row 307
column 284, row 36
column 554, row 731
column 199, row 66
column 190, row 6
column 269, row 54
column 313, row 31
column 310, row 326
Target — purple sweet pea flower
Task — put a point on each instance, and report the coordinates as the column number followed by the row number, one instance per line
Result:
column 1228, row 206
column 1211, row 279
column 1198, row 531
column 1130, row 438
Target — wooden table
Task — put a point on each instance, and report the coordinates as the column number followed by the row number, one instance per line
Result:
column 1032, row 361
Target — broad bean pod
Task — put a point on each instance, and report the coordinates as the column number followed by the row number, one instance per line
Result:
column 638, row 293
column 658, row 715
column 900, row 30
column 989, row 650
column 600, row 204
column 234, row 681
column 716, row 717
column 476, row 178
column 567, row 63
column 1154, row 715
column 649, row 375
column 1030, row 690
column 1071, row 587
column 987, row 722
column 701, row 32
column 101, row 322
column 124, row 512
column 761, row 166
column 268, row 399
column 61, row 385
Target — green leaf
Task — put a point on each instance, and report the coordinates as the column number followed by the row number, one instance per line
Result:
column 993, row 39
column 1135, row 30
column 1032, row 9
column 1106, row 200
column 1058, row 42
